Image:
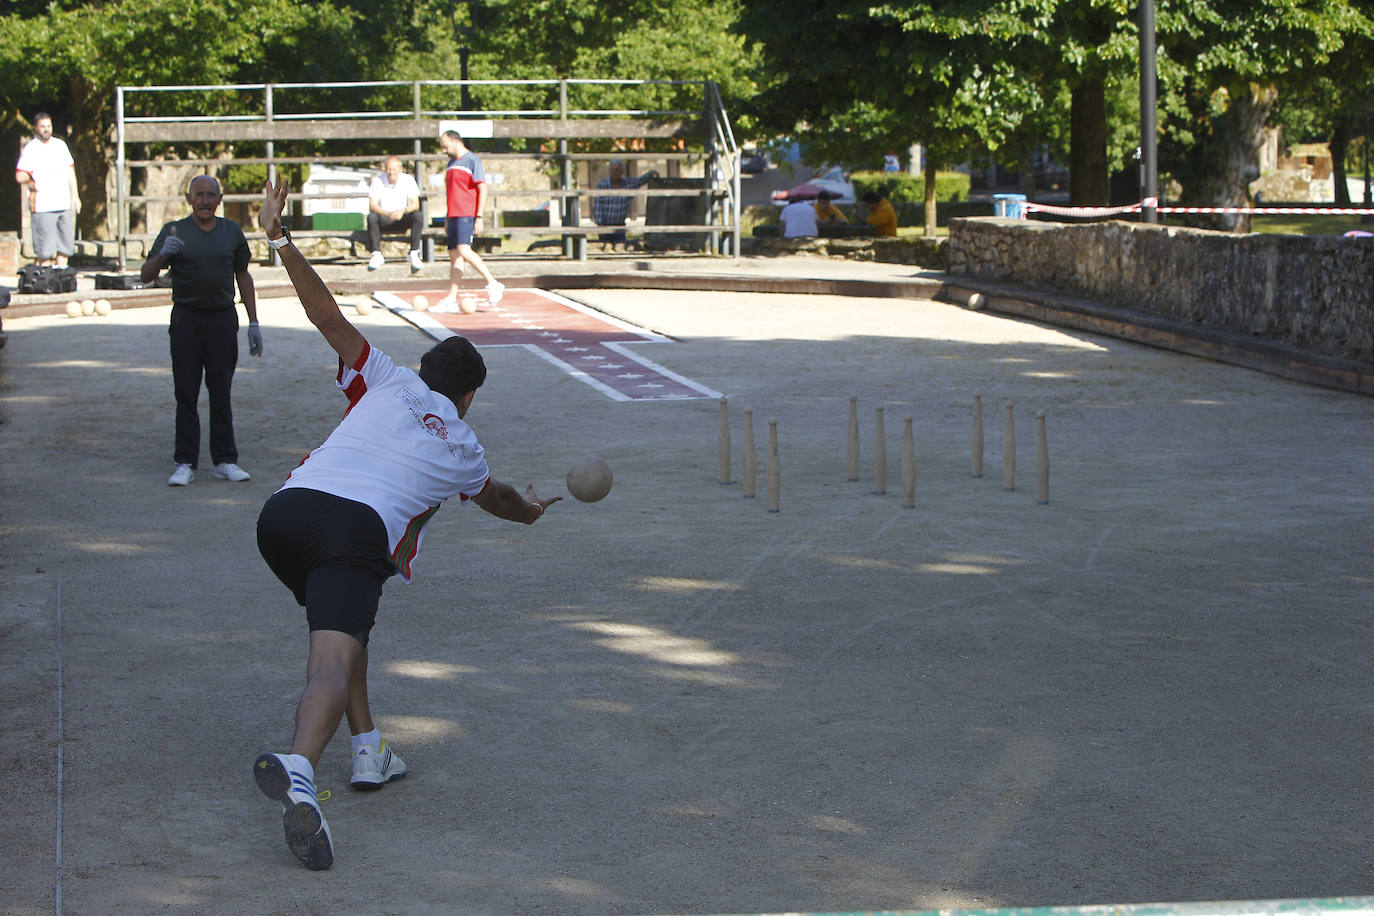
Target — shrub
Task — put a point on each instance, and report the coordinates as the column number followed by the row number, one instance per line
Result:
column 901, row 188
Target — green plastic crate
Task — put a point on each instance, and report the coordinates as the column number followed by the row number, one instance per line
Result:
column 345, row 222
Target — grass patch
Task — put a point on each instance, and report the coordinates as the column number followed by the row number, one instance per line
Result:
column 1308, row 225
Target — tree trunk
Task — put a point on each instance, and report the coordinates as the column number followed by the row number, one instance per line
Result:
column 930, row 202
column 1088, row 173
column 92, row 128
column 1341, row 132
column 1229, row 160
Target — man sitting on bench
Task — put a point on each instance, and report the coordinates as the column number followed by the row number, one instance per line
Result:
column 393, row 206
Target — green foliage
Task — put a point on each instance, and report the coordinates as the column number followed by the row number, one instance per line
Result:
column 250, row 178
column 910, row 189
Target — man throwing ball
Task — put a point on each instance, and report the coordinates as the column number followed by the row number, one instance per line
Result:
column 352, row 515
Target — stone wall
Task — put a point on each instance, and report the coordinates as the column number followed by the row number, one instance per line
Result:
column 1312, row 292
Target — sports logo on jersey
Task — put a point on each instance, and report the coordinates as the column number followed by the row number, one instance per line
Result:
column 435, row 425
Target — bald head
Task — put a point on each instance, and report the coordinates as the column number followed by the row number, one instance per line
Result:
column 208, row 182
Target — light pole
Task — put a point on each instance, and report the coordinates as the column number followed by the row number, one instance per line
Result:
column 1149, row 161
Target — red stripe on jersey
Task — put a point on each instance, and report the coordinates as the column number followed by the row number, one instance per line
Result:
column 358, row 387
column 463, row 497
column 409, row 545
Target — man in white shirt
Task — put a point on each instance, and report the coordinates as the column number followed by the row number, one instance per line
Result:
column 48, row 174
column 393, row 205
column 799, row 220
column 352, row 515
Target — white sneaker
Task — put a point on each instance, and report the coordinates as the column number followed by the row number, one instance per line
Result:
column 230, row 471
column 373, row 767
column 182, row 476
column 416, row 265
column 306, row 831
column 495, row 290
column 375, row 261
column 448, row 304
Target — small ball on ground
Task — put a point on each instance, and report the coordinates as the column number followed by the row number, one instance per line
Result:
column 102, row 306
column 467, row 304
column 88, row 306
column 363, row 307
column 419, row 303
column 73, row 309
column 589, row 479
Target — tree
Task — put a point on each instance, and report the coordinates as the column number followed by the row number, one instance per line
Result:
column 849, row 77
column 73, row 59
column 1223, row 68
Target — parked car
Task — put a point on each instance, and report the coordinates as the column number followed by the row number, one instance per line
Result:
column 752, row 162
column 831, row 178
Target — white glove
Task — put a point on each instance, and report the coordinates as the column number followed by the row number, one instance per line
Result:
column 170, row 247
column 254, row 339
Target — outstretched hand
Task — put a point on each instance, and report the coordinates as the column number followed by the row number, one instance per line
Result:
column 273, row 203
column 533, row 499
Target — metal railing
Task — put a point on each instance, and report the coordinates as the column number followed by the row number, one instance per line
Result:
column 252, row 115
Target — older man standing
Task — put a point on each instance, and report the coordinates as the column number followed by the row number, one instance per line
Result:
column 207, row 255
column 48, row 173
column 393, row 206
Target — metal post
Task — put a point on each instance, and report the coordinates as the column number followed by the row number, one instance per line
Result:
column 422, row 179
column 1368, row 197
column 569, row 204
column 1149, row 150
column 121, row 195
column 271, row 152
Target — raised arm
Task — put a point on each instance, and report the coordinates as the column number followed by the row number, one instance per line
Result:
column 318, row 302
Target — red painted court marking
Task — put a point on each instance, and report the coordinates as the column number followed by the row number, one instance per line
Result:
column 584, row 343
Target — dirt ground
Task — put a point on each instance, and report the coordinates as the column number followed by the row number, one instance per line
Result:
column 1155, row 688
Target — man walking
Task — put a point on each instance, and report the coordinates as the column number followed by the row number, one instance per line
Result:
column 207, row 255
column 393, row 206
column 465, row 183
column 352, row 515
column 48, row 173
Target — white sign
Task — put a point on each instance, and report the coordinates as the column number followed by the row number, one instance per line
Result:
column 468, row 128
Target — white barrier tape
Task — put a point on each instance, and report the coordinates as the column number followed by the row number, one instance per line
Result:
column 1151, row 201
column 1081, row 211
column 1285, row 211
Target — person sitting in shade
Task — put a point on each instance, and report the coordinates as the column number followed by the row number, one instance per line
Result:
column 614, row 211
column 393, row 203
column 798, row 220
column 827, row 214
column 881, row 216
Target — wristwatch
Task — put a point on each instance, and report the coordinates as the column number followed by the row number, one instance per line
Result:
column 279, row 244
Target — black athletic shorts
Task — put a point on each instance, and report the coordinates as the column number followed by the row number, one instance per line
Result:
column 331, row 552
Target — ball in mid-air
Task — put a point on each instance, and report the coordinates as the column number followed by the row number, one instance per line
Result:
column 589, row 479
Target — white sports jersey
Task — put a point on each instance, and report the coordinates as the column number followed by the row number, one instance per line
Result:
column 400, row 448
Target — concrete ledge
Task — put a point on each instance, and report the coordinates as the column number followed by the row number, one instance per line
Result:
column 1278, row 359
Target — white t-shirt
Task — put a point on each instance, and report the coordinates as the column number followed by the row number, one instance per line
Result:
column 799, row 219
column 400, row 448
column 393, row 196
column 50, row 164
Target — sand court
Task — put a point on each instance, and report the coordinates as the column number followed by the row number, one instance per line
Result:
column 1156, row 687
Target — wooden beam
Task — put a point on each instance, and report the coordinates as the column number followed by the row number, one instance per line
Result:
column 399, row 129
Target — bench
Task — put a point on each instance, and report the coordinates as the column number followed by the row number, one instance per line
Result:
column 482, row 244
